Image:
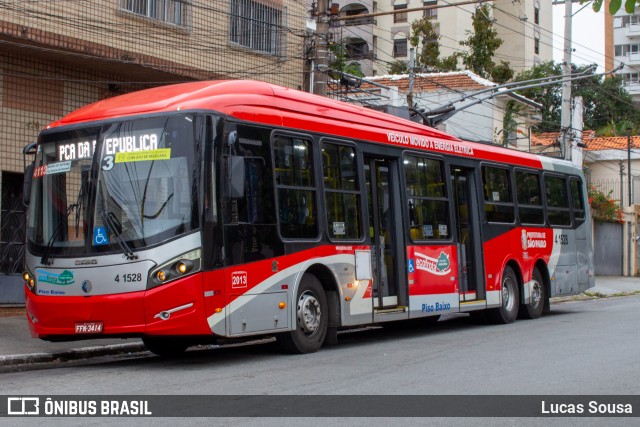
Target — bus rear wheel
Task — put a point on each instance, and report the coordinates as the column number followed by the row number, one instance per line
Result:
column 166, row 346
column 534, row 309
column 311, row 318
column 508, row 312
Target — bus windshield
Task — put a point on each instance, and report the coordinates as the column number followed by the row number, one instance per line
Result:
column 142, row 190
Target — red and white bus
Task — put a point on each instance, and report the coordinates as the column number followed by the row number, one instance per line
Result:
column 238, row 208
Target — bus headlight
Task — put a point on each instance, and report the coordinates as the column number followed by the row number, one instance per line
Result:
column 162, row 275
column 176, row 268
column 29, row 280
column 184, row 266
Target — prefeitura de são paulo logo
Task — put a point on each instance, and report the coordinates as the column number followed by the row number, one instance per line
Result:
column 440, row 266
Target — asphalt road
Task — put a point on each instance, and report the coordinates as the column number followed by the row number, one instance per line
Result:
column 582, row 347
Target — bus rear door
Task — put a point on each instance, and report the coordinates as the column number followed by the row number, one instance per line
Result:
column 387, row 241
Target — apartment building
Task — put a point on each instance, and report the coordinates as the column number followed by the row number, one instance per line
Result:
column 56, row 56
column 525, row 26
column 623, row 32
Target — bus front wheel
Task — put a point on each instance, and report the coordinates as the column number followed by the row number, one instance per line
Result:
column 311, row 318
column 508, row 311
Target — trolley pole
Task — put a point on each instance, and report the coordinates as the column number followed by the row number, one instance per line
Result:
column 321, row 59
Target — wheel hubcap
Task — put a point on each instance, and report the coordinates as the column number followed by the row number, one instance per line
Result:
column 536, row 294
column 309, row 313
column 507, row 294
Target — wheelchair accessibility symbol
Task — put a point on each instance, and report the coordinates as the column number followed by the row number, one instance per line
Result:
column 411, row 266
column 100, row 236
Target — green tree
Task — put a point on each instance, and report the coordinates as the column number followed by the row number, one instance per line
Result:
column 482, row 43
column 605, row 101
column 502, row 73
column 398, row 67
column 550, row 97
column 450, row 63
column 341, row 62
column 425, row 39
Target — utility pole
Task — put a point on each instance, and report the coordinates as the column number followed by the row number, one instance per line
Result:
column 621, row 183
column 412, row 64
column 629, row 163
column 565, row 118
column 321, row 60
column 576, row 125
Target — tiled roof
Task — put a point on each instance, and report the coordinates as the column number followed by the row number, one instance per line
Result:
column 432, row 81
column 592, row 142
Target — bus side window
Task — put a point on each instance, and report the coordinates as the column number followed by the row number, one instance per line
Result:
column 558, row 212
column 427, row 199
column 529, row 194
column 295, row 187
column 498, row 199
column 341, row 192
column 577, row 199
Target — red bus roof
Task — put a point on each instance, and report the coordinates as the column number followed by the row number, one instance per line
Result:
column 269, row 104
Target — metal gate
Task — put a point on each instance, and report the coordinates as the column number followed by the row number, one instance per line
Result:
column 607, row 252
column 12, row 238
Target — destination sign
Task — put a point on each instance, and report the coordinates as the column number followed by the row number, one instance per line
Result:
column 76, row 150
column 129, row 144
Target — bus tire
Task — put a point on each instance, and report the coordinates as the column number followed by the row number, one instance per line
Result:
column 166, row 346
column 508, row 312
column 312, row 318
column 533, row 310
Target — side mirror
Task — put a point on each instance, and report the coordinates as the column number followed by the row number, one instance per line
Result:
column 28, row 150
column 235, row 177
column 26, row 185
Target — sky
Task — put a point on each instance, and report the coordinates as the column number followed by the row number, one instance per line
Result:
column 588, row 35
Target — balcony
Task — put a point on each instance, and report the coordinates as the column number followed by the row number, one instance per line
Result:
column 633, row 87
column 632, row 30
column 634, row 57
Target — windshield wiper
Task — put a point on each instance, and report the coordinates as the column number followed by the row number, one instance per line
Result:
column 116, row 228
column 45, row 256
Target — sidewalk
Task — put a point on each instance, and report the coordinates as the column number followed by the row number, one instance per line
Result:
column 18, row 348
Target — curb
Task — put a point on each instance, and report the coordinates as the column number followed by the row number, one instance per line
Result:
column 75, row 354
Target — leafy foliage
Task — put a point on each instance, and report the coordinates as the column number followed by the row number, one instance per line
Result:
column 483, row 41
column 605, row 101
column 502, row 73
column 509, row 123
column 614, row 5
column 603, row 207
column 425, row 38
column 549, row 96
column 341, row 62
column 398, row 67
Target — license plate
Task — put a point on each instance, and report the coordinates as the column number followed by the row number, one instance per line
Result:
column 88, row 327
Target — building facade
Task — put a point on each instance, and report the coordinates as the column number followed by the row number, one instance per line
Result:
column 56, row 56
column 624, row 29
column 525, row 26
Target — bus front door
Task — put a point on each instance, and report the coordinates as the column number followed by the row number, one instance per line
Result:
column 383, row 195
column 469, row 244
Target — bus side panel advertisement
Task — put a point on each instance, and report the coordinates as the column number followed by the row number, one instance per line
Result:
column 431, row 269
